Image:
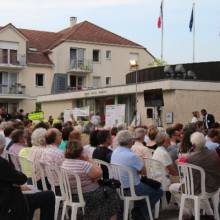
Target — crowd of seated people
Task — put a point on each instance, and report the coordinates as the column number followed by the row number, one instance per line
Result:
column 76, row 148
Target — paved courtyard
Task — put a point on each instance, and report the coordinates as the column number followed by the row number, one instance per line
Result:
column 169, row 215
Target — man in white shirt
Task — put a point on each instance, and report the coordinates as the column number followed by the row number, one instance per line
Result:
column 161, row 154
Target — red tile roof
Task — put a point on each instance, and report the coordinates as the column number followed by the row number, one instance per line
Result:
column 89, row 32
column 84, row 32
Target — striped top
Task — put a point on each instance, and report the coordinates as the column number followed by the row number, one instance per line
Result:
column 82, row 168
column 35, row 155
column 54, row 157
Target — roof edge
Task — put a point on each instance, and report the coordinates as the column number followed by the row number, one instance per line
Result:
column 14, row 28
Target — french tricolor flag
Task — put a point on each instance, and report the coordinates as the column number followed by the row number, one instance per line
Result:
column 160, row 19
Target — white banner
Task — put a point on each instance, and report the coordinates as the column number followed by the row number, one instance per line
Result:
column 76, row 112
column 81, row 112
column 114, row 115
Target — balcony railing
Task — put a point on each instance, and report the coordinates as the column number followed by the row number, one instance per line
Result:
column 15, row 89
column 81, row 65
column 13, row 60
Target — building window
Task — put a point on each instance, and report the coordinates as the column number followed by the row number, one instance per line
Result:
column 108, row 81
column 96, row 56
column 77, row 82
column 134, row 56
column 79, row 103
column 108, row 54
column 39, row 79
column 96, row 83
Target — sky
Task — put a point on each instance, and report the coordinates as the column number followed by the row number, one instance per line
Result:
column 133, row 19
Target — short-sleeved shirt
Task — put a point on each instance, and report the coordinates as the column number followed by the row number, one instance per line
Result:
column 62, row 146
column 140, row 150
column 162, row 155
column 82, row 168
column 24, row 152
column 211, row 145
column 53, row 156
column 124, row 156
column 15, row 148
column 35, row 155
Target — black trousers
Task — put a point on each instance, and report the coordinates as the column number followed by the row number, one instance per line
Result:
column 45, row 201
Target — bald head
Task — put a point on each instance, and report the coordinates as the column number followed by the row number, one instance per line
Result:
column 53, row 136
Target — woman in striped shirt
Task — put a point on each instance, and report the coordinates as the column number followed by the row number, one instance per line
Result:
column 100, row 204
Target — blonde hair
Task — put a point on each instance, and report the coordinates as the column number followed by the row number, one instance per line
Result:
column 152, row 133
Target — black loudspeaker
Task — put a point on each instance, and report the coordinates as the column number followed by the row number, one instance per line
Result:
column 149, row 113
column 153, row 98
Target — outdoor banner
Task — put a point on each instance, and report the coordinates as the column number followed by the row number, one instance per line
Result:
column 36, row 116
column 114, row 115
column 76, row 112
column 81, row 112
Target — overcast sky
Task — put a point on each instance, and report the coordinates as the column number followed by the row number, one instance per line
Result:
column 133, row 19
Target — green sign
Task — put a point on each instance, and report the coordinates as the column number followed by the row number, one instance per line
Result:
column 36, row 116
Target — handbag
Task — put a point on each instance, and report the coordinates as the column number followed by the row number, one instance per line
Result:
column 150, row 182
column 112, row 183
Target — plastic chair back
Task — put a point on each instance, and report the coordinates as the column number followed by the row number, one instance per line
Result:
column 156, row 170
column 66, row 175
column 32, row 168
column 118, row 171
column 187, row 174
column 53, row 172
column 101, row 163
column 41, row 167
column 15, row 161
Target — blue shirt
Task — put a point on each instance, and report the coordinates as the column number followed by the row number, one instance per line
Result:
column 211, row 145
column 124, row 156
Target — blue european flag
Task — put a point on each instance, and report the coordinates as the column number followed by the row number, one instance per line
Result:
column 191, row 21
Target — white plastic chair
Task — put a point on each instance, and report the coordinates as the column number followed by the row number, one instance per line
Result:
column 157, row 171
column 186, row 172
column 53, row 172
column 103, row 163
column 66, row 174
column 15, row 160
column 41, row 167
column 117, row 171
column 4, row 154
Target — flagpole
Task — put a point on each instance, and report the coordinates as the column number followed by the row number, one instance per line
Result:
column 162, row 30
column 194, row 31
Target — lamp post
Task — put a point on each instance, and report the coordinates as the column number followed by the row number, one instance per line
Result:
column 134, row 64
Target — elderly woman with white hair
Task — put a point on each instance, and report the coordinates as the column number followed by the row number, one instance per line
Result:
column 38, row 147
column 209, row 161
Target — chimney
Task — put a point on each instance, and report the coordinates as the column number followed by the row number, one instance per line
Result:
column 73, row 21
